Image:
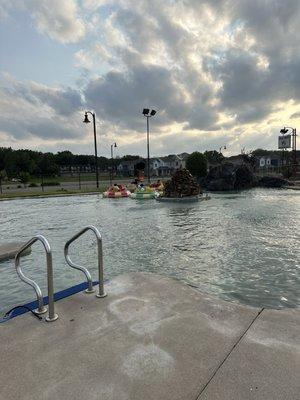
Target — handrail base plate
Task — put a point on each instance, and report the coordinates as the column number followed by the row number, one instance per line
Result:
column 88, row 291
column 42, row 311
column 101, row 295
column 48, row 319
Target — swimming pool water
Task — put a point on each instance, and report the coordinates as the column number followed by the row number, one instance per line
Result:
column 243, row 247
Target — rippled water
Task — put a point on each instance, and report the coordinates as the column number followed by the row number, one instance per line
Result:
column 242, row 247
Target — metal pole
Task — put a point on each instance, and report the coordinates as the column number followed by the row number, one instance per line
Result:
column 100, row 269
column 111, row 167
column 295, row 146
column 96, row 156
column 79, row 179
column 148, row 152
column 51, row 314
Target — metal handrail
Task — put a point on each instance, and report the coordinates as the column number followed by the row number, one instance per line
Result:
column 90, row 288
column 41, row 307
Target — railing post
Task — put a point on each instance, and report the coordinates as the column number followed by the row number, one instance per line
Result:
column 100, row 268
column 51, row 314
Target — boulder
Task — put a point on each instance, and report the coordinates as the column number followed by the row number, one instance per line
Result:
column 244, row 177
column 228, row 176
column 220, row 185
column 272, row 182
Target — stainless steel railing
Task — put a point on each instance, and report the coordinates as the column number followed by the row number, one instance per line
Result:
column 41, row 307
column 90, row 288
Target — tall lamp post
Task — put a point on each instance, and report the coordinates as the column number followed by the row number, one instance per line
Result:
column 86, row 121
column 148, row 114
column 285, row 130
column 112, row 146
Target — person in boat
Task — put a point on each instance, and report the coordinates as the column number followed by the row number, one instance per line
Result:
column 116, row 188
column 157, row 184
column 135, row 182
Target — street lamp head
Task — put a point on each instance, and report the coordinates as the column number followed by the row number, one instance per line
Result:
column 146, row 111
column 153, row 112
column 284, row 131
column 86, row 119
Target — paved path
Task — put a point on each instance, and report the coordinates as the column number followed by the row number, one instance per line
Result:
column 151, row 338
column 9, row 250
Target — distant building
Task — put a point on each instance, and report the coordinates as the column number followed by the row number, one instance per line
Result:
column 239, row 159
column 270, row 160
column 70, row 169
column 166, row 166
column 129, row 168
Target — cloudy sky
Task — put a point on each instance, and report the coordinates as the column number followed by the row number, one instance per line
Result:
column 217, row 72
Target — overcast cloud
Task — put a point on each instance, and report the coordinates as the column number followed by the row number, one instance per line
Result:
column 217, row 72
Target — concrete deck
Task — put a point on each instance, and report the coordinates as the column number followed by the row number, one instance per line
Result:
column 9, row 250
column 151, row 338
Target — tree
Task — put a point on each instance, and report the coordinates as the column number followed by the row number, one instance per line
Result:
column 47, row 165
column 3, row 177
column 24, row 177
column 214, row 156
column 196, row 163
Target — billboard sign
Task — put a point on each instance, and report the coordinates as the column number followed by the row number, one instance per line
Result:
column 284, row 142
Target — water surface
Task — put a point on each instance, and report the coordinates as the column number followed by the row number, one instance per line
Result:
column 243, row 247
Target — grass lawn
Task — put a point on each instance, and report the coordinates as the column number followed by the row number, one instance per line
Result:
column 75, row 178
column 15, row 195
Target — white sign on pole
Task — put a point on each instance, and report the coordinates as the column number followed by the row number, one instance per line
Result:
column 284, row 142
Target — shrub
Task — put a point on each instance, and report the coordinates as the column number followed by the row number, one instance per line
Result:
column 196, row 163
column 24, row 177
column 50, row 184
column 33, row 184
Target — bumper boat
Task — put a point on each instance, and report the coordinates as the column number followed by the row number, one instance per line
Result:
column 143, row 194
column 116, row 192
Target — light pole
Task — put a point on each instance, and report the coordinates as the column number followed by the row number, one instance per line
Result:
column 112, row 146
column 86, row 121
column 148, row 114
column 285, row 130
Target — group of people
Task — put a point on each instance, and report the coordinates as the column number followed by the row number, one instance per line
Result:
column 116, row 188
column 136, row 184
column 140, row 184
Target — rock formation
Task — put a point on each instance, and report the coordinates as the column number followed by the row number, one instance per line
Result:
column 182, row 184
column 273, row 182
column 228, row 176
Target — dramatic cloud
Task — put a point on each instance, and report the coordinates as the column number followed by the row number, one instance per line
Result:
column 217, row 71
column 58, row 19
column 31, row 112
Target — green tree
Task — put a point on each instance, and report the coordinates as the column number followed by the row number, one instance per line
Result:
column 214, row 156
column 47, row 165
column 196, row 163
column 24, row 177
column 3, row 177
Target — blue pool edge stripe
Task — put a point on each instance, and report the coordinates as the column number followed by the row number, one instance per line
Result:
column 80, row 287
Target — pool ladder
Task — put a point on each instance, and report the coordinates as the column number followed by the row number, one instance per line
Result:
column 41, row 307
column 90, row 288
column 52, row 316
